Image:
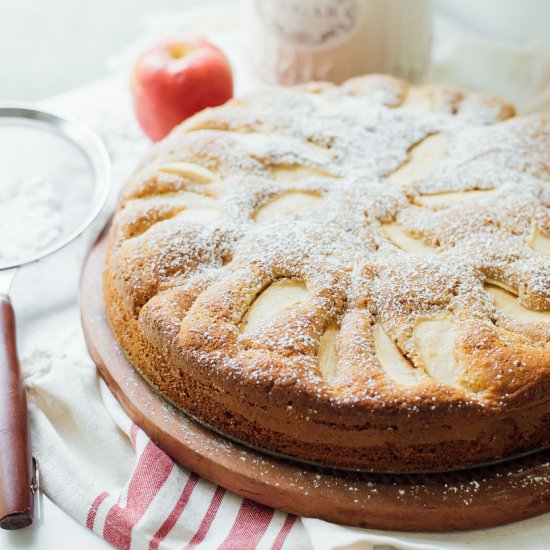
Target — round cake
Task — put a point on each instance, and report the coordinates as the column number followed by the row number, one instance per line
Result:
column 356, row 276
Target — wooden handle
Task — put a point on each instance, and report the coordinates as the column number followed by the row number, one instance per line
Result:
column 16, row 497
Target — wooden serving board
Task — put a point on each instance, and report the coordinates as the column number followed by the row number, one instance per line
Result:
column 471, row 499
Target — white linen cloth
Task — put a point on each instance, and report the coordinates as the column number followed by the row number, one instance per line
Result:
column 102, row 469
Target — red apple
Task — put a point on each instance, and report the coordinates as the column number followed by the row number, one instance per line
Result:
column 177, row 78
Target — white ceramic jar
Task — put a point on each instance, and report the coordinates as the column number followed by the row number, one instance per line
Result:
column 292, row 41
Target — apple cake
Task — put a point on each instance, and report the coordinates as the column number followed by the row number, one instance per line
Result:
column 355, row 275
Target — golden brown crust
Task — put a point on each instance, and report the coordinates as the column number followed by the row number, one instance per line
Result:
column 396, row 256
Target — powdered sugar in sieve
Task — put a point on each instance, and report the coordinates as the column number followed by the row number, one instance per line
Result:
column 46, row 187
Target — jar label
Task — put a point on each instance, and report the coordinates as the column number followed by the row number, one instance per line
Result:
column 310, row 24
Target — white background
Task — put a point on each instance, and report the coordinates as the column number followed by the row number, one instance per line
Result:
column 50, row 46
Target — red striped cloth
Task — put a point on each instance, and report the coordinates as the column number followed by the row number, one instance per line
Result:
column 164, row 506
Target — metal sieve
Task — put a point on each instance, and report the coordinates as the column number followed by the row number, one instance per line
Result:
column 37, row 146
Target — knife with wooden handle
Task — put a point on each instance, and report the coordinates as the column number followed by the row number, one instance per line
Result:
column 16, row 466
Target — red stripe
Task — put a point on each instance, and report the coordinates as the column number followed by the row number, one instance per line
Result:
column 93, row 510
column 151, row 472
column 283, row 533
column 133, row 434
column 171, row 520
column 250, row 525
column 208, row 519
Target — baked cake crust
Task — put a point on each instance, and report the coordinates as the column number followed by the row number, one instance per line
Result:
column 330, row 273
